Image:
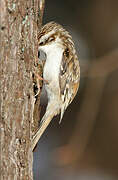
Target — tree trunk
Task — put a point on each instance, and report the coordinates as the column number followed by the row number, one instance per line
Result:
column 18, row 44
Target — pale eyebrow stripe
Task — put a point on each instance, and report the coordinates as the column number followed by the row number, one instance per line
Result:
column 46, row 36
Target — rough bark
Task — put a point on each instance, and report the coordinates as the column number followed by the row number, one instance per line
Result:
column 18, row 26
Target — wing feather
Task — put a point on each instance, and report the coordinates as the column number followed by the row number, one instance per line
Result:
column 68, row 80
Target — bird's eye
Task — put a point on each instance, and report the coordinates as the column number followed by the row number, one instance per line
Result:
column 51, row 39
column 41, row 43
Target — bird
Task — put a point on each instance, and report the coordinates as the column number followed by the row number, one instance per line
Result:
column 61, row 72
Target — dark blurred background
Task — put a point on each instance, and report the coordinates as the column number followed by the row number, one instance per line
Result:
column 85, row 145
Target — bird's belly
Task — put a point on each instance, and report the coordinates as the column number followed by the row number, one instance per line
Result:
column 51, row 73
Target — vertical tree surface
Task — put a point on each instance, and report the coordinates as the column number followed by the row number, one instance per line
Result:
column 18, row 49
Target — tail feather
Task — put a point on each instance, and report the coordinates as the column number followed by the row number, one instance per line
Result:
column 44, row 124
column 61, row 115
column 63, row 108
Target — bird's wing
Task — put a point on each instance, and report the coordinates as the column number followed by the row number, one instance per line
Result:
column 68, row 79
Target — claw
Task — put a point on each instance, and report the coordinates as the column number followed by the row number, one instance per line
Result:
column 42, row 79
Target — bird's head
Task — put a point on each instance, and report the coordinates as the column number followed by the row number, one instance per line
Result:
column 53, row 36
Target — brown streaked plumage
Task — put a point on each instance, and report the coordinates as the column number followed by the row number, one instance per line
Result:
column 61, row 70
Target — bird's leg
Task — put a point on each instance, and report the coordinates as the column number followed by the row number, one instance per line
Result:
column 38, row 71
column 41, row 78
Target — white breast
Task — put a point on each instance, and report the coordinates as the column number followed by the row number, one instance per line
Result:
column 52, row 65
column 52, row 69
